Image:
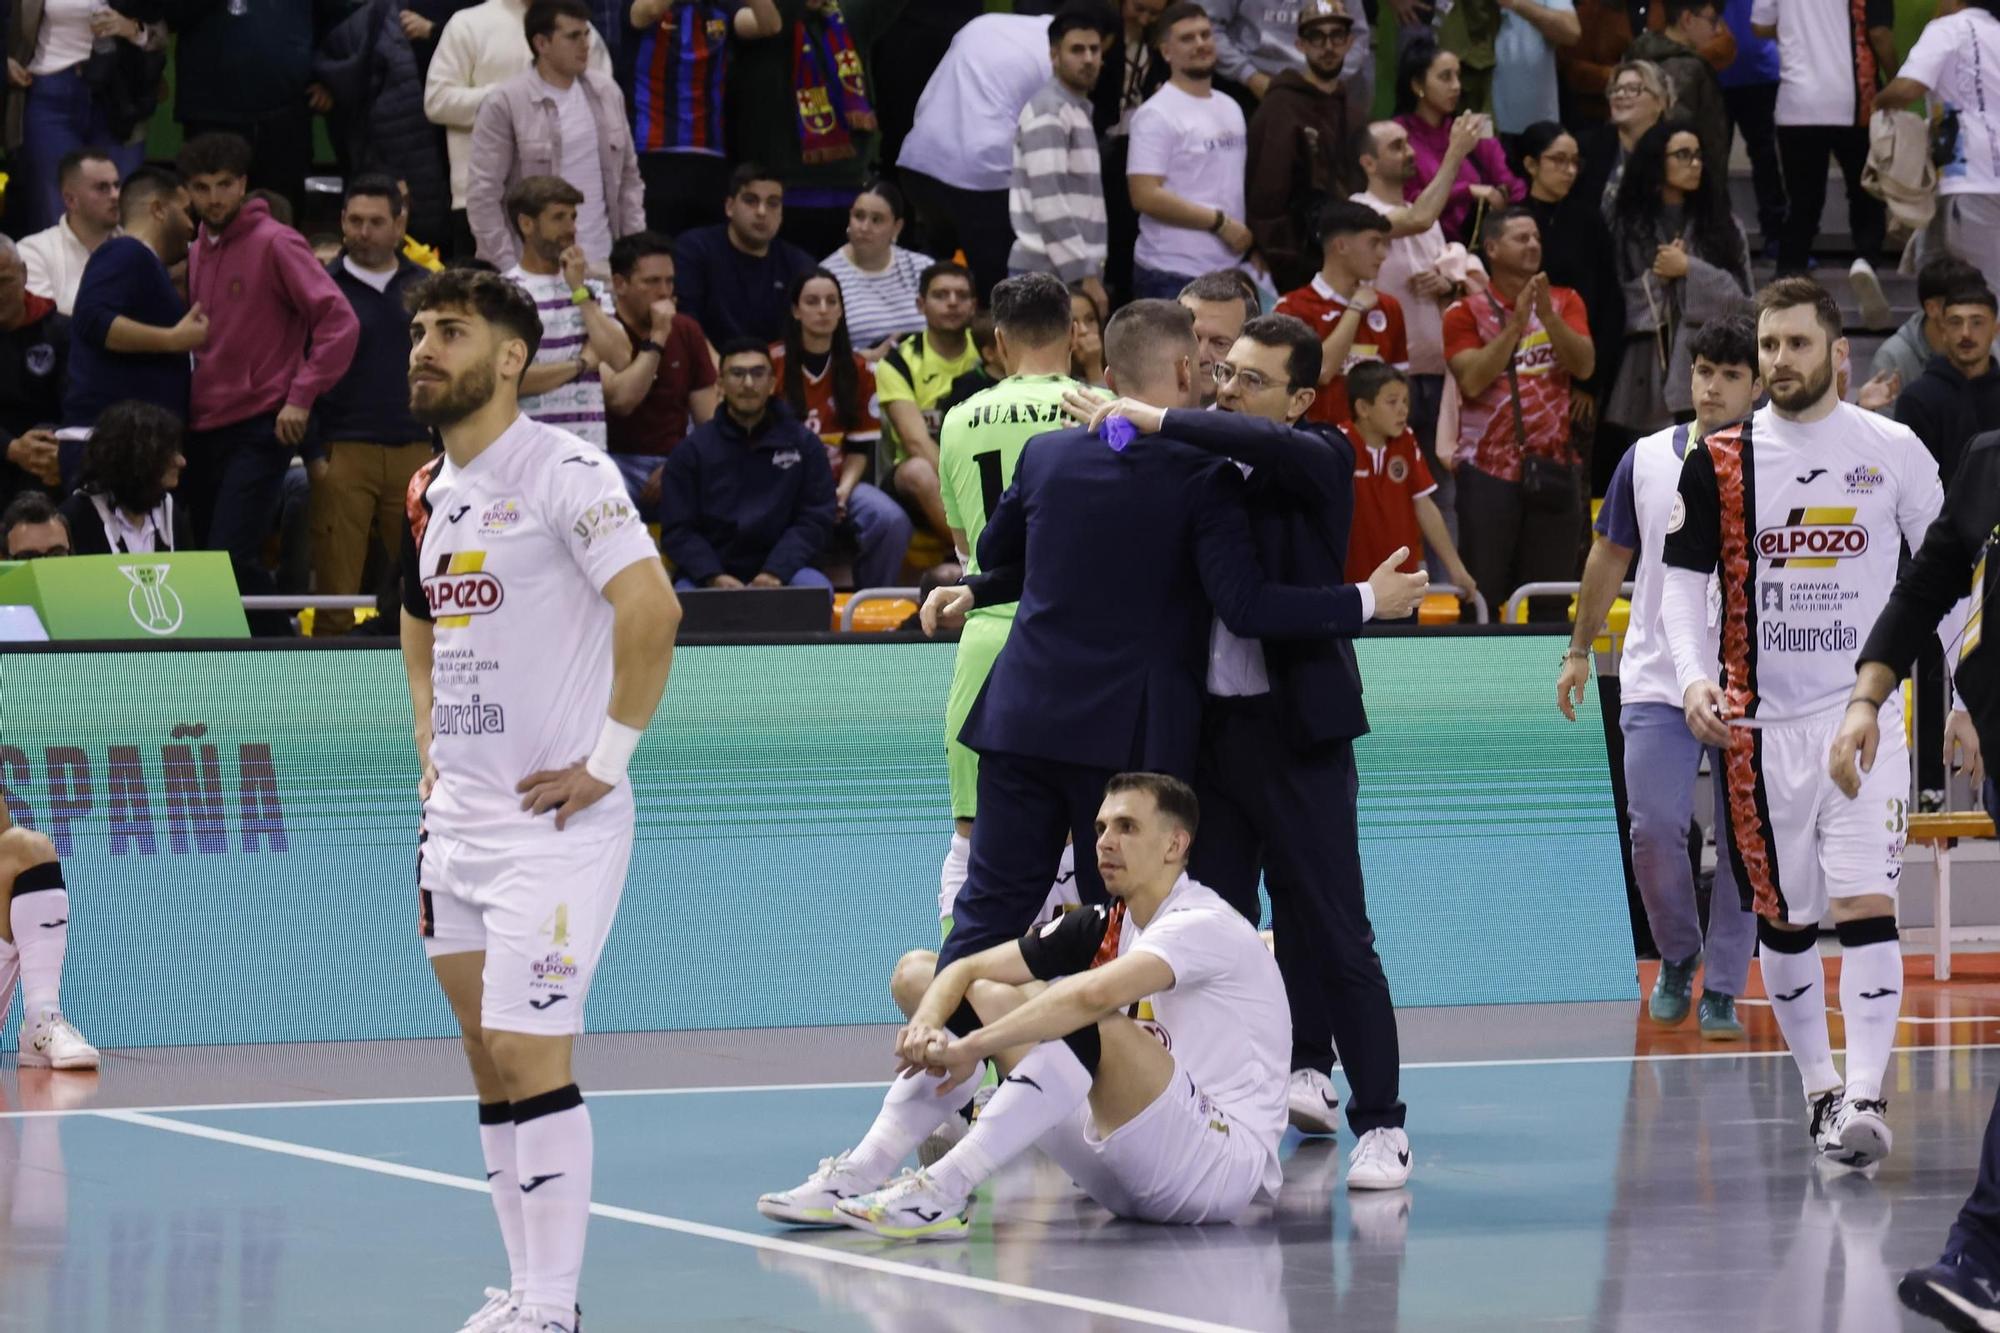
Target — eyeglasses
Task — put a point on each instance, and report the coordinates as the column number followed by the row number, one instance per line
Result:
column 53, row 551
column 1252, row 381
column 1329, row 36
column 1684, row 155
column 1628, row 89
column 1561, row 161
column 747, row 374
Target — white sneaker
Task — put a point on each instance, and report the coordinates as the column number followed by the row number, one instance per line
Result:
column 1862, row 1133
column 1823, row 1112
column 52, row 1042
column 1868, row 294
column 498, row 1315
column 547, row 1319
column 811, row 1204
column 1313, row 1103
column 1381, row 1161
column 910, row 1207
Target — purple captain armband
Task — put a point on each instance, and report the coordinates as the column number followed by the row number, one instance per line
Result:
column 1117, row 432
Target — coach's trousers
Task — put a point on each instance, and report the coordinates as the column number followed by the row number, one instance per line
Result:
column 1291, row 815
column 1026, row 808
column 1976, row 1233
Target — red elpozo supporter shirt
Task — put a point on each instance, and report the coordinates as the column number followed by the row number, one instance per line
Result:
column 1387, row 483
column 1486, row 433
column 1381, row 337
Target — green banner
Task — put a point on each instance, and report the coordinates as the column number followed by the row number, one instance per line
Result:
column 175, row 595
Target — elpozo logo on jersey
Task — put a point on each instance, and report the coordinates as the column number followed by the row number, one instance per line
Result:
column 1816, row 538
column 462, row 589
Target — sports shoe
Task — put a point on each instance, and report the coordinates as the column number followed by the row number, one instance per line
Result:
column 1868, row 294
column 1313, row 1103
column 1718, row 1019
column 548, row 1319
column 811, row 1204
column 1861, row 1131
column 1381, row 1161
column 500, row 1314
column 909, row 1207
column 1954, row 1293
column 1669, row 1003
column 52, row 1042
column 1823, row 1119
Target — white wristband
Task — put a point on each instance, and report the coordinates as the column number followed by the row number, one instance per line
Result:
column 615, row 744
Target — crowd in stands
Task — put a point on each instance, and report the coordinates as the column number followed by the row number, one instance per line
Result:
column 752, row 226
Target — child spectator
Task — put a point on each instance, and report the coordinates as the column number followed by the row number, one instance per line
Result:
column 1392, row 485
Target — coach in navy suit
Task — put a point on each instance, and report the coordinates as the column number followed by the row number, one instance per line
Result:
column 1121, row 560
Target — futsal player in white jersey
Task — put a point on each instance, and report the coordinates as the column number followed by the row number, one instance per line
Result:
column 1796, row 517
column 1174, row 1116
column 538, row 628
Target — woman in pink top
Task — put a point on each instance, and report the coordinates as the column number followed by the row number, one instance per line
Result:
column 1427, row 96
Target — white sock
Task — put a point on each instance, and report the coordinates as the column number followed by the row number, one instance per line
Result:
column 552, row 1154
column 910, row 1111
column 951, row 875
column 10, row 972
column 41, row 1189
column 1802, row 1016
column 1871, row 998
column 1043, row 1091
column 496, row 1141
column 40, row 919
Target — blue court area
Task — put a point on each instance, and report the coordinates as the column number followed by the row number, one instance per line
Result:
column 1600, row 1193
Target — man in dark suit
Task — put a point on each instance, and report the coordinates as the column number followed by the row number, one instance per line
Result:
column 1276, row 778
column 1122, row 553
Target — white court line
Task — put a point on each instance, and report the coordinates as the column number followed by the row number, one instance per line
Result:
column 309, row 1103
column 868, row 1263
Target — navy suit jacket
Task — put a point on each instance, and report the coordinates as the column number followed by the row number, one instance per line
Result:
column 1301, row 502
column 1121, row 562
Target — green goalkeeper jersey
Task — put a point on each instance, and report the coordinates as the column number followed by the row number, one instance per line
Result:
column 980, row 444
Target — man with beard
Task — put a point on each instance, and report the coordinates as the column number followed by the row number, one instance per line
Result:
column 1294, row 135
column 538, row 628
column 1797, row 513
column 130, row 331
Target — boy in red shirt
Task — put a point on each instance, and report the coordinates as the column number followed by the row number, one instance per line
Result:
column 1392, row 485
column 1355, row 323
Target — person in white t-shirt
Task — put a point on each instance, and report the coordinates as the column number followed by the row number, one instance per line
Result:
column 1957, row 62
column 580, row 328
column 1171, row 1116
column 1661, row 754
column 1189, row 150
column 538, row 629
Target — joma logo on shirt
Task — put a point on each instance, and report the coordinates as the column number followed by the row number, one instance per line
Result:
column 1814, row 539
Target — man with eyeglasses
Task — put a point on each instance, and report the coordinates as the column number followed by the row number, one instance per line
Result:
column 1303, row 120
column 32, row 528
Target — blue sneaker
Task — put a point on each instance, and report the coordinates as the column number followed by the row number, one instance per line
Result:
column 1718, row 1017
column 1954, row 1293
column 1673, row 990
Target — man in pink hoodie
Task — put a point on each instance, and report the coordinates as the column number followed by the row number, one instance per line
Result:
column 280, row 335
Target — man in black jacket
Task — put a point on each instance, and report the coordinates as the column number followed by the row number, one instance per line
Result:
column 1276, row 775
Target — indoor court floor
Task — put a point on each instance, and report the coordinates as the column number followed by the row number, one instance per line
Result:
column 1576, row 1169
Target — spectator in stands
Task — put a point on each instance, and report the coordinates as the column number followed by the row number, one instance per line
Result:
column 423, row 23
column 281, row 334
column 1394, row 504
column 479, row 48
column 55, row 256
column 1958, row 395
column 878, row 278
column 1222, row 302
column 1427, row 98
column 1296, row 134
column 1186, row 169
column 1576, row 251
column 831, row 389
column 670, row 383
column 1750, row 95
column 732, row 278
column 34, row 350
column 1256, row 41
column 1524, row 61
column 1517, row 345
column 1905, row 353
column 1826, row 92
column 580, row 330
column 912, row 381
column 1133, row 71
column 32, row 528
column 1697, row 93
column 248, row 74
column 990, row 370
column 556, row 118
column 1056, row 193
column 1951, row 60
column 132, row 334
column 373, row 444
column 125, row 502
column 370, row 72
column 67, row 103
column 1353, row 321
column 1086, row 327
column 1640, row 99
column 744, row 502
column 1684, row 261
column 1588, row 66
column 957, row 162
column 679, row 82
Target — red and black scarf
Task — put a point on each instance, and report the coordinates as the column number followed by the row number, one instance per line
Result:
column 828, row 84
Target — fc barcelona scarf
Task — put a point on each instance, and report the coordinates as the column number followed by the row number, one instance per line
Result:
column 827, row 80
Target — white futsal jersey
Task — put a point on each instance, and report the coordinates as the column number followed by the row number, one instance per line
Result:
column 507, row 557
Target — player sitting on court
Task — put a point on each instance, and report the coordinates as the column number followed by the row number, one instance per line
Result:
column 34, row 935
column 1171, row 1118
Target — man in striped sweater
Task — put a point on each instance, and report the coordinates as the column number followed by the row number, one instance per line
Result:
column 1056, row 197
